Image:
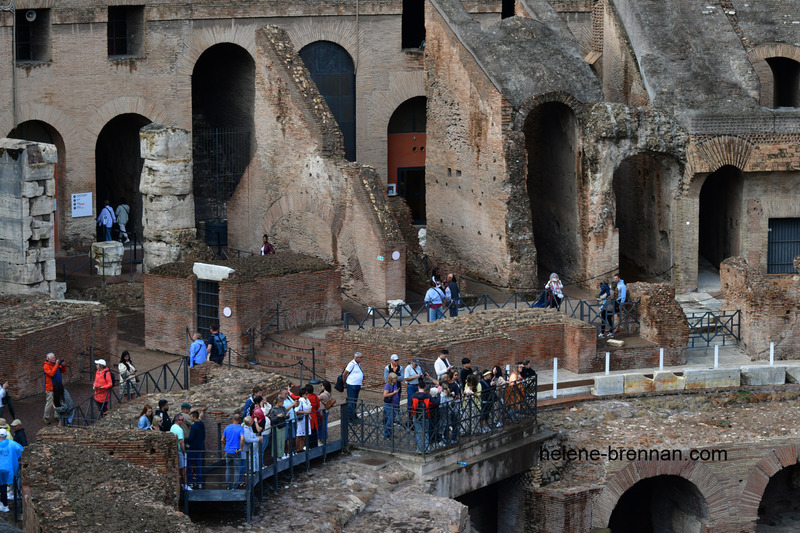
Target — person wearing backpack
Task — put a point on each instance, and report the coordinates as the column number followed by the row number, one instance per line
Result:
column 103, row 382
column 217, row 344
column 105, row 220
column 123, row 214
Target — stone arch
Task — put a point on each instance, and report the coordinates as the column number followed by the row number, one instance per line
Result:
column 125, row 105
column 48, row 114
column 774, row 461
column 722, row 150
column 552, row 97
column 201, row 40
column 337, row 30
column 758, row 57
column 695, row 472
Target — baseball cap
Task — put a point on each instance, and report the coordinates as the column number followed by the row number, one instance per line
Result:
column 487, row 373
column 3, row 423
column 16, row 422
column 100, row 362
column 465, row 361
column 394, row 357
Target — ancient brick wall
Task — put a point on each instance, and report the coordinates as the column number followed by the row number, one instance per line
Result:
column 488, row 338
column 561, row 510
column 150, row 449
column 769, row 305
column 661, row 319
column 22, row 355
column 170, row 306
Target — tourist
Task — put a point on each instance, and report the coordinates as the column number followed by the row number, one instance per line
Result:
column 555, row 291
column 233, row 443
column 353, row 376
column 10, row 452
column 163, row 415
column 278, row 419
column 123, row 213
column 290, row 403
column 19, row 433
column 471, row 402
column 606, row 303
column 53, row 372
column 102, row 386
column 266, row 247
column 127, row 374
column 413, row 373
column 195, row 448
column 64, row 406
column 452, row 414
column 391, row 404
column 217, row 344
column 487, row 399
column 466, row 369
column 433, row 299
column 313, row 435
column 252, row 440
column 453, row 294
column 198, row 351
column 442, row 364
column 146, row 418
column 186, row 408
column 394, row 366
column 497, row 377
column 621, row 296
column 526, row 371
column 4, row 425
column 251, row 400
column 327, row 401
column 262, row 407
column 303, row 412
column 3, row 393
column 178, row 431
column 422, row 404
column 105, row 220
column 435, row 275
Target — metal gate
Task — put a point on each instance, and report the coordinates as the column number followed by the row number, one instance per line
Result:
column 207, row 305
column 783, row 245
column 722, row 327
column 220, row 157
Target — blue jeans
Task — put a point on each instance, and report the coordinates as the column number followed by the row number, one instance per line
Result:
column 421, row 428
column 106, row 233
column 352, row 399
column 322, row 433
column 389, row 414
column 232, row 464
column 195, row 464
column 434, row 313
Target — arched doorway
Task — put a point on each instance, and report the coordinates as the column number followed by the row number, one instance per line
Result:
column 643, row 204
column 780, row 504
column 118, row 166
column 406, row 164
column 660, row 504
column 551, row 143
column 333, row 71
column 785, row 81
column 223, row 97
column 38, row 131
column 720, row 217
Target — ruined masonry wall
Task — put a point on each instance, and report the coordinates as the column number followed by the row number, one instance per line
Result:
column 661, row 319
column 170, row 306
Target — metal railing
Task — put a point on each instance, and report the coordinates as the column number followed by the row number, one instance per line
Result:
column 709, row 327
column 624, row 319
column 252, row 333
column 398, row 429
column 82, row 262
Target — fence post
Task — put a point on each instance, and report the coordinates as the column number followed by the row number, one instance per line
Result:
column 301, row 373
column 771, row 353
column 661, row 359
column 716, row 356
column 608, row 363
column 555, row 377
column 278, row 317
column 314, row 380
column 185, row 374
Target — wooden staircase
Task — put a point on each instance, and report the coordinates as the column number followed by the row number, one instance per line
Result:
column 281, row 352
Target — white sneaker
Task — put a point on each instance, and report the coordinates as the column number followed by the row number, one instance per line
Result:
column 3, row 508
column 600, row 336
column 187, row 487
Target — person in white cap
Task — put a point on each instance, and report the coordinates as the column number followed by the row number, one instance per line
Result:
column 394, row 366
column 10, row 452
column 102, row 385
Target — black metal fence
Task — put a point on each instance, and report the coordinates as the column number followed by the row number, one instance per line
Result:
column 713, row 327
column 425, row 430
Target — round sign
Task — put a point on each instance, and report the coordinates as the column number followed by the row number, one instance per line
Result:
column 226, row 311
column 395, row 255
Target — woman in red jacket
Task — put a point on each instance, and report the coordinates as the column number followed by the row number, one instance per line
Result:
column 102, row 385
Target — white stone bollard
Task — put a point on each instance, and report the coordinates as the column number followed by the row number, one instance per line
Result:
column 555, row 377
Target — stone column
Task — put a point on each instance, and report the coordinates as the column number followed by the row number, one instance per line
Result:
column 166, row 187
column 27, row 212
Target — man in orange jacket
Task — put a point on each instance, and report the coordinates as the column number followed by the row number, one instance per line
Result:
column 53, row 369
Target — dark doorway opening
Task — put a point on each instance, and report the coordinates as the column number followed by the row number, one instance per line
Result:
column 783, row 245
column 720, row 213
column 41, row 132
column 333, row 72
column 786, row 81
column 413, row 24
column 643, row 217
column 411, row 186
column 551, row 144
column 779, row 509
column 660, row 504
column 508, row 8
column 207, row 306
column 118, row 166
column 223, row 96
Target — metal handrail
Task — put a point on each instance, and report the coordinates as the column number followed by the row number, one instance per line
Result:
column 252, row 334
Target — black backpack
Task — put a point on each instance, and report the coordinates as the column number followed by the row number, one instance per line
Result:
column 113, row 378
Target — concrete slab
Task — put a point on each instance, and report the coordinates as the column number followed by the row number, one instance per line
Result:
column 635, row 383
column 606, row 385
column 211, row 272
column 793, row 374
column 763, row 375
column 708, row 378
column 666, row 381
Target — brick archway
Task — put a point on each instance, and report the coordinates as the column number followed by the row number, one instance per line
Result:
column 125, row 105
column 758, row 58
column 202, row 40
column 693, row 471
column 552, row 97
column 773, row 462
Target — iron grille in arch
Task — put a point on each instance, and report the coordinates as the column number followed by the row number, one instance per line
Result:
column 207, row 305
column 220, row 159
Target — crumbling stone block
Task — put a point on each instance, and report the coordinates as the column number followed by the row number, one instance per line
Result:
column 607, row 385
column 700, row 378
column 665, row 381
column 763, row 375
column 636, row 383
